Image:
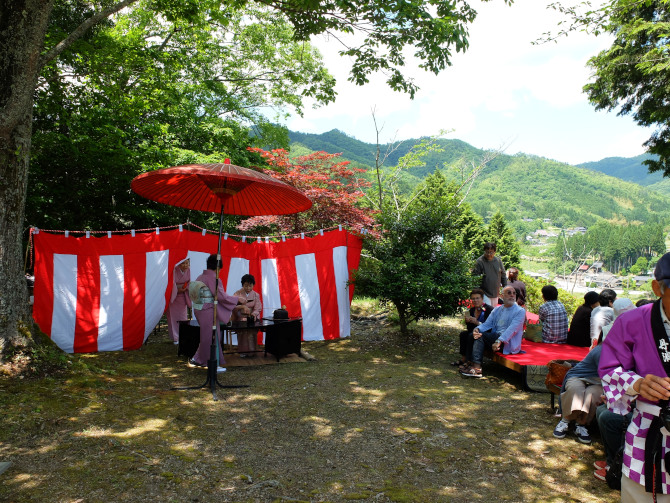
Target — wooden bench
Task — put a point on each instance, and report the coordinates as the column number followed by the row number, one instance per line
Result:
column 532, row 361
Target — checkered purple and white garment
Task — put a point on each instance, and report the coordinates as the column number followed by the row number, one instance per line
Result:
column 615, row 386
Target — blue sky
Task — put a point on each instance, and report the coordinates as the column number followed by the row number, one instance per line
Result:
column 503, row 92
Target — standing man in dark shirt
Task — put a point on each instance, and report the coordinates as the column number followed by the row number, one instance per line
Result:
column 519, row 286
column 492, row 271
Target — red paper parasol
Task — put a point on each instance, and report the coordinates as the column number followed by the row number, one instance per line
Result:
column 224, row 188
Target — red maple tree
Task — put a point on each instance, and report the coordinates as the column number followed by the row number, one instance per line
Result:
column 332, row 185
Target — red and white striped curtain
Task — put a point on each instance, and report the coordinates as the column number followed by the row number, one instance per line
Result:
column 108, row 293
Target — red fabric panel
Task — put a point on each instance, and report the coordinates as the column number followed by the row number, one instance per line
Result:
column 541, row 353
column 330, row 316
column 354, row 247
column 43, row 290
column 88, row 304
column 288, row 285
column 134, row 274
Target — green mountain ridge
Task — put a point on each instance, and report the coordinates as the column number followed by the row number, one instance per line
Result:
column 524, row 186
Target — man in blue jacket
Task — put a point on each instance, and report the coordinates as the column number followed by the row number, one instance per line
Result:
column 503, row 330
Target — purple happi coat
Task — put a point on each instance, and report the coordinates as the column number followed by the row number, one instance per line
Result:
column 629, row 353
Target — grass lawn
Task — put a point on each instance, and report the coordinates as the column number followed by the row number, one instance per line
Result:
column 373, row 418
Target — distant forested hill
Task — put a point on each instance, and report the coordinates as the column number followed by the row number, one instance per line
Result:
column 336, row 141
column 523, row 186
column 534, row 187
column 629, row 169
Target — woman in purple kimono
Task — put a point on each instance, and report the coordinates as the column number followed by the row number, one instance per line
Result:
column 179, row 300
column 204, row 313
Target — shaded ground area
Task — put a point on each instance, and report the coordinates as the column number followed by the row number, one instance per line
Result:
column 371, row 419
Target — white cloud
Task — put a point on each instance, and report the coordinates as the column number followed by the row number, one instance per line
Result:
column 502, row 88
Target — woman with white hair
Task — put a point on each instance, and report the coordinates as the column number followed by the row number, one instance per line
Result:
column 619, row 306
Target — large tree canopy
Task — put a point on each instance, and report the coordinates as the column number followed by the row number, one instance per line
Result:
column 183, row 92
column 633, row 73
column 434, row 28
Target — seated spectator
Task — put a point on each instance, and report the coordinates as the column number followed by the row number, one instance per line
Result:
column 477, row 315
column 619, row 306
column 579, row 333
column 553, row 316
column 519, row 286
column 603, row 314
column 503, row 330
column 611, row 426
column 580, row 396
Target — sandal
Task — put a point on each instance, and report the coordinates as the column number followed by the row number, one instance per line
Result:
column 472, row 372
column 458, row 363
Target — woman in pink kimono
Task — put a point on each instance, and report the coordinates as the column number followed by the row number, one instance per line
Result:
column 246, row 338
column 179, row 300
column 204, row 313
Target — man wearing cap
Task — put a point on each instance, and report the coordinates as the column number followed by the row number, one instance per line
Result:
column 634, row 367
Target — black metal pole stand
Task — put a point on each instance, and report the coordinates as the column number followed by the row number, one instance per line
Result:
column 212, row 376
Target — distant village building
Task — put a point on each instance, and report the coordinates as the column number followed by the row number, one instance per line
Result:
column 604, row 279
column 596, row 267
column 641, row 280
column 575, row 230
column 546, row 220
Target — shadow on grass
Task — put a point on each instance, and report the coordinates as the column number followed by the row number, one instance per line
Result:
column 367, row 421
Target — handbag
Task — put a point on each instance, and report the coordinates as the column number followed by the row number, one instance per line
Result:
column 556, row 374
column 533, row 332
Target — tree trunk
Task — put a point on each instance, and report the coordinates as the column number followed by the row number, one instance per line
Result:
column 23, row 26
column 402, row 318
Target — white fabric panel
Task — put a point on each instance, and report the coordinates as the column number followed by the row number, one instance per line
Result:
column 341, row 268
column 270, row 286
column 156, row 285
column 110, row 323
column 310, row 298
column 64, row 317
column 238, row 268
column 198, row 263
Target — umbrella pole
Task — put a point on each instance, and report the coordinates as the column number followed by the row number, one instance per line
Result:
column 212, row 376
